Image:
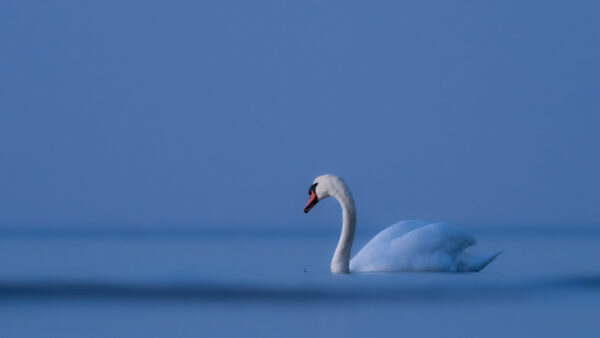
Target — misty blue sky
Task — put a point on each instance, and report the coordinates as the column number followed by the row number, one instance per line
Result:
column 207, row 113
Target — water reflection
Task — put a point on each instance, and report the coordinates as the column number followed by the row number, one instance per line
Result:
column 203, row 291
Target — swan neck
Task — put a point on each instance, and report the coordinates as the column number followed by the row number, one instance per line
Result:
column 341, row 258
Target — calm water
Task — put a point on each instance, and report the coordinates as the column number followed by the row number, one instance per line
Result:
column 111, row 282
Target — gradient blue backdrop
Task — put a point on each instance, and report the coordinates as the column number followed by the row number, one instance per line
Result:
column 208, row 113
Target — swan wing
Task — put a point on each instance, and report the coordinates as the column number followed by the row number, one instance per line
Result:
column 431, row 238
column 413, row 246
column 374, row 256
column 396, row 230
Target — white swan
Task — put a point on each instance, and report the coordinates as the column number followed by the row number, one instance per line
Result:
column 405, row 246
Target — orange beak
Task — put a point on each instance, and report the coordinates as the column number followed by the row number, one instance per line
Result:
column 311, row 201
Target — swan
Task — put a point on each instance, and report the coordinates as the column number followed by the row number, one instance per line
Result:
column 411, row 245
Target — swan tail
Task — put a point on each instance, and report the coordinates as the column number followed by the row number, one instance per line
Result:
column 473, row 263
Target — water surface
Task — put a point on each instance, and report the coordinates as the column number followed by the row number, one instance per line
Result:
column 274, row 282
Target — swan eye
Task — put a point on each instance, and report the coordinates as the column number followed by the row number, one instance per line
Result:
column 312, row 188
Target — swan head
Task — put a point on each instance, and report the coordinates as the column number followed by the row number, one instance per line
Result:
column 323, row 187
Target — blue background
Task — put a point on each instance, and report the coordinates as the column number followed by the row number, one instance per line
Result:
column 155, row 159
column 222, row 113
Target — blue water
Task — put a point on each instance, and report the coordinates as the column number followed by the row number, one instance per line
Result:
column 275, row 282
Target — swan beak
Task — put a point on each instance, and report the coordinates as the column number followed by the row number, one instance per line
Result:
column 311, row 201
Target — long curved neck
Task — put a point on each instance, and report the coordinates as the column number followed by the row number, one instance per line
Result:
column 341, row 258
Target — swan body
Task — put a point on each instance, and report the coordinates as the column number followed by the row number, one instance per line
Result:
column 411, row 245
column 419, row 246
